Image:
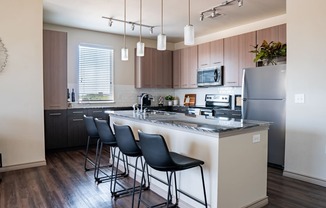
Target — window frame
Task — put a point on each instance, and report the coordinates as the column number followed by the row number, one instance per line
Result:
column 112, row 73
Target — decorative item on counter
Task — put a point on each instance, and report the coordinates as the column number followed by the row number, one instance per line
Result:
column 72, row 95
column 190, row 100
column 160, row 101
column 68, row 95
column 268, row 53
column 175, row 101
column 169, row 98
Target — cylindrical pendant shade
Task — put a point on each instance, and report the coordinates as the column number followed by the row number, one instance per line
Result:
column 124, row 54
column 140, row 49
column 189, row 35
column 161, row 42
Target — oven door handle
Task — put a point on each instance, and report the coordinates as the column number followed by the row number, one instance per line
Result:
column 215, row 75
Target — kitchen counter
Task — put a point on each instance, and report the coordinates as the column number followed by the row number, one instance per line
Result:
column 197, row 123
column 234, row 152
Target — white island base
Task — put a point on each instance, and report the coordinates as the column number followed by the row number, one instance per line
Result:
column 235, row 166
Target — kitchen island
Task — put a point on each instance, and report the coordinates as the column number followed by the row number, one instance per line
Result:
column 234, row 152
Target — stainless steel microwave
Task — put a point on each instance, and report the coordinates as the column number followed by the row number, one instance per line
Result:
column 210, row 76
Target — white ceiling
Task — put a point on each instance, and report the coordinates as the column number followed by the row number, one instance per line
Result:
column 87, row 14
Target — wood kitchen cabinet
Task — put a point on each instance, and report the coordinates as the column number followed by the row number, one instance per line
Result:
column 237, row 56
column 276, row 33
column 55, row 69
column 154, row 70
column 177, row 69
column 204, row 55
column 189, row 67
column 56, row 135
column 246, row 58
column 210, row 54
column 231, row 61
column 217, row 52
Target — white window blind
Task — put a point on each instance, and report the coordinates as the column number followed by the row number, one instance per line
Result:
column 95, row 73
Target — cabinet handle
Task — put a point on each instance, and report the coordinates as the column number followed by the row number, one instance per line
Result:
column 97, row 111
column 204, row 64
column 217, row 62
column 55, row 114
column 78, row 112
column 231, row 82
column 77, row 119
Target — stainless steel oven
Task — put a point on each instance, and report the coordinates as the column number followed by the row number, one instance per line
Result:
column 211, row 76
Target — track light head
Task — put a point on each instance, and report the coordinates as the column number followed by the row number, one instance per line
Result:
column 110, row 22
column 240, row 3
column 151, row 30
column 132, row 26
column 201, row 17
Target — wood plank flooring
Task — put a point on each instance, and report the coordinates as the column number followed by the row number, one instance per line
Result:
column 64, row 183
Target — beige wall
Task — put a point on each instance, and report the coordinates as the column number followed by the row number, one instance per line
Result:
column 21, row 84
column 306, row 72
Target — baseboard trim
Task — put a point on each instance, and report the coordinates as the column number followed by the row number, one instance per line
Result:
column 23, row 166
column 259, row 203
column 305, row 178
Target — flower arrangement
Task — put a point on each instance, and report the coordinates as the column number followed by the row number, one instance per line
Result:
column 268, row 52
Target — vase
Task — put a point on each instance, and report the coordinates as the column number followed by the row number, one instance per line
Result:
column 169, row 102
column 175, row 102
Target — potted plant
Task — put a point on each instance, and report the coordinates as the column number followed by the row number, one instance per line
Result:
column 269, row 52
column 169, row 98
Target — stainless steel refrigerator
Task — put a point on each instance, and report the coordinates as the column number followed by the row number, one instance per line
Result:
column 263, row 97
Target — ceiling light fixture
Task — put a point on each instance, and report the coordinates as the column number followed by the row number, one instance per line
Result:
column 161, row 38
column 110, row 22
column 212, row 13
column 140, row 45
column 189, row 30
column 151, row 30
column 133, row 24
column 124, row 50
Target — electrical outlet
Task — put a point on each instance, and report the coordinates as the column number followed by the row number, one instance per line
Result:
column 299, row 98
column 256, row 138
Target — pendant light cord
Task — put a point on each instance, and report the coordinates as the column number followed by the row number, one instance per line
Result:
column 162, row 17
column 124, row 35
column 140, row 15
column 189, row 11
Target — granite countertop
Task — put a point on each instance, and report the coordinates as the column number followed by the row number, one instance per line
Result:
column 190, row 122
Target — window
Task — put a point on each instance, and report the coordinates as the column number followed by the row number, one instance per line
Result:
column 95, row 73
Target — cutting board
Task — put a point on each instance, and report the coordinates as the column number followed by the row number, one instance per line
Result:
column 190, row 100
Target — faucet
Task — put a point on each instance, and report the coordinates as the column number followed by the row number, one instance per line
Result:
column 141, row 101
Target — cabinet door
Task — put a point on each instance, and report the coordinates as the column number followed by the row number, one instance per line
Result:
column 204, row 55
column 216, row 52
column 143, row 69
column 246, row 59
column 77, row 134
column 282, row 33
column 231, row 61
column 268, row 34
column 167, row 69
column 55, row 69
column 184, row 67
column 157, row 68
column 55, row 123
column 192, row 74
column 177, row 69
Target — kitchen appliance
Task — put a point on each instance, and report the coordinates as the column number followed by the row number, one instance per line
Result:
column 146, row 100
column 213, row 102
column 211, row 76
column 263, row 98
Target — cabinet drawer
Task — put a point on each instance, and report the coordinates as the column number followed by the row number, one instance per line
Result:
column 76, row 113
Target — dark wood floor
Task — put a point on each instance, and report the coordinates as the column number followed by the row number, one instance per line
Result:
column 64, row 183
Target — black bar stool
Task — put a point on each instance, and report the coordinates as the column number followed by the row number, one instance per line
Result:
column 158, row 157
column 108, row 138
column 129, row 147
column 92, row 135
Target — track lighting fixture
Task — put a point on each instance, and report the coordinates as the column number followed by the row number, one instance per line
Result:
column 140, row 45
column 124, row 50
column 212, row 13
column 189, row 30
column 161, row 38
column 133, row 24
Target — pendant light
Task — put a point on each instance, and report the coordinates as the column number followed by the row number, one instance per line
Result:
column 124, row 50
column 161, row 38
column 189, row 30
column 140, row 45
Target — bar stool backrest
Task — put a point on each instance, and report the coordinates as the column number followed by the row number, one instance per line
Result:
column 105, row 132
column 126, row 140
column 156, row 152
column 90, row 126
